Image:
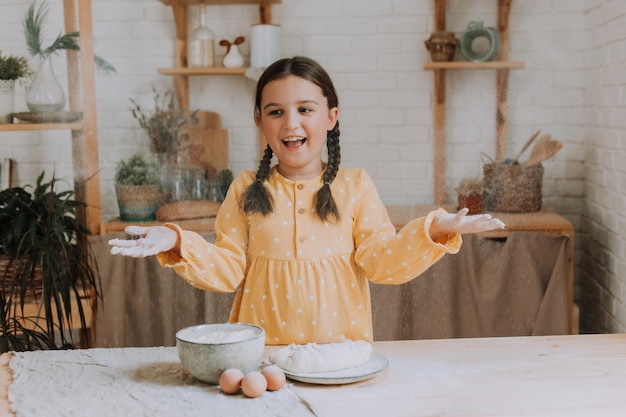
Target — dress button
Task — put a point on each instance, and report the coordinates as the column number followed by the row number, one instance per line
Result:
column 301, row 211
column 300, row 186
column 302, row 239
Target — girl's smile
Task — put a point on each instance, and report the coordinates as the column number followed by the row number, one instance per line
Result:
column 295, row 119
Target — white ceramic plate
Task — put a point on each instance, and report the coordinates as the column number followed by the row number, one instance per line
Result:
column 373, row 367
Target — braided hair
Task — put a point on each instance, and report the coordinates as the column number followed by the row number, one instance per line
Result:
column 256, row 198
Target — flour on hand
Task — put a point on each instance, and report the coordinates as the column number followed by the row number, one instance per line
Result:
column 325, row 357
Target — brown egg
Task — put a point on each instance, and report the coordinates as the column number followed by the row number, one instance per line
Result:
column 230, row 381
column 253, row 384
column 275, row 377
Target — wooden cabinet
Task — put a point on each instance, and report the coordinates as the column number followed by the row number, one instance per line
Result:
column 81, row 97
column 502, row 67
column 181, row 71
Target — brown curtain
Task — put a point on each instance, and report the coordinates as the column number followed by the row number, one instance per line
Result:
column 509, row 287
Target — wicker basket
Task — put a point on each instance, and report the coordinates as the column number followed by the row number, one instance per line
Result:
column 7, row 274
column 512, row 188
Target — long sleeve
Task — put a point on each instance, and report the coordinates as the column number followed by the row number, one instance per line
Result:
column 387, row 256
column 220, row 266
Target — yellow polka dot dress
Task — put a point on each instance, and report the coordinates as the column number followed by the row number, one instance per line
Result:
column 301, row 279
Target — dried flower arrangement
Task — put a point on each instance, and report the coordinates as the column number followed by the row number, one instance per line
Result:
column 164, row 124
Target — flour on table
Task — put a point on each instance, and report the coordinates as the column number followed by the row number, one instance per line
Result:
column 322, row 357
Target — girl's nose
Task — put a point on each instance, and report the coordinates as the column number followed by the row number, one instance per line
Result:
column 292, row 120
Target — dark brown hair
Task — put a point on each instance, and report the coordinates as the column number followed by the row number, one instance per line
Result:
column 256, row 198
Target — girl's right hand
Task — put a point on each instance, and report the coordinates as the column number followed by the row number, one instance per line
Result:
column 146, row 241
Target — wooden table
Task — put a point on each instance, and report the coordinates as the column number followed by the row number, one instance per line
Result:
column 201, row 225
column 574, row 375
column 543, row 221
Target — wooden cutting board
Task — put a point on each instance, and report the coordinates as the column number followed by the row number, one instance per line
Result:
column 207, row 145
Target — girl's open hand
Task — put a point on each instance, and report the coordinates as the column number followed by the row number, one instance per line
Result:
column 147, row 241
column 461, row 223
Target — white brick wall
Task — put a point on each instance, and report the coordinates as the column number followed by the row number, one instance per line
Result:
column 572, row 87
column 603, row 270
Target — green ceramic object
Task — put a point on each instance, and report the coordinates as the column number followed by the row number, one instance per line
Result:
column 477, row 30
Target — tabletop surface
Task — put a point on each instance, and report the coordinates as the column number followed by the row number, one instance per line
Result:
column 577, row 375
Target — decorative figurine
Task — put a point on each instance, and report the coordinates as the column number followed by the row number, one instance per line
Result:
column 442, row 46
column 474, row 31
column 232, row 58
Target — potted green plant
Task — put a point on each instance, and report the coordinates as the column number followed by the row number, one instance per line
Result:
column 138, row 188
column 45, row 93
column 12, row 68
column 224, row 178
column 45, row 262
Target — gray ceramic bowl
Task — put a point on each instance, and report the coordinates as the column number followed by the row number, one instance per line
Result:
column 207, row 350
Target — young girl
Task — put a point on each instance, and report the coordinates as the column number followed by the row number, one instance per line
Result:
column 299, row 240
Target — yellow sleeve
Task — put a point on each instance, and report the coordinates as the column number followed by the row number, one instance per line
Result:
column 387, row 257
column 220, row 266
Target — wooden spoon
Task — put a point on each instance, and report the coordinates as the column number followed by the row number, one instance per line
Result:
column 545, row 148
column 526, row 145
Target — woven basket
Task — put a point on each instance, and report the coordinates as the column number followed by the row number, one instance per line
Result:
column 512, row 188
column 138, row 202
column 7, row 274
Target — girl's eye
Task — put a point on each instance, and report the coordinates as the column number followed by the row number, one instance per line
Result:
column 275, row 112
column 304, row 110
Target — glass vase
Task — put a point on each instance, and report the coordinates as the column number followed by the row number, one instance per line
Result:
column 201, row 45
column 45, row 93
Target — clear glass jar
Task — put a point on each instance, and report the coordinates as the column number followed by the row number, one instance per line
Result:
column 201, row 44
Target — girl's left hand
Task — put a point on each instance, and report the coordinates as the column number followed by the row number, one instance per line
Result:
column 461, row 223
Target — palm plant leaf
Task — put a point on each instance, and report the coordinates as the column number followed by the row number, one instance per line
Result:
column 33, row 27
column 33, row 30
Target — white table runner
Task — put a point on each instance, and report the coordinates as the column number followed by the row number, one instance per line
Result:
column 129, row 382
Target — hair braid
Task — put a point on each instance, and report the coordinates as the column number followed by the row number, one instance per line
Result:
column 324, row 202
column 256, row 198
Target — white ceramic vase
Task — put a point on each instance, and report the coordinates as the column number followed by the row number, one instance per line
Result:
column 233, row 58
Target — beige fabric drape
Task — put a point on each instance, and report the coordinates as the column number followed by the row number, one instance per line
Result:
column 511, row 287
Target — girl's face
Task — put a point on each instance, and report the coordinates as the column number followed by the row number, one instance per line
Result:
column 294, row 118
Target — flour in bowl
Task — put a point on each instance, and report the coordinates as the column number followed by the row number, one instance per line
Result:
column 221, row 336
column 322, row 357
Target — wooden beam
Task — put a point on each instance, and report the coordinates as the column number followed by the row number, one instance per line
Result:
column 440, row 15
column 439, row 152
column 181, row 82
column 502, row 81
column 78, row 16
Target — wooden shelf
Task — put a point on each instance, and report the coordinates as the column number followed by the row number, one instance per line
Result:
column 22, row 127
column 180, row 72
column 216, row 2
column 202, row 225
column 77, row 17
column 502, row 66
column 465, row 65
column 202, row 71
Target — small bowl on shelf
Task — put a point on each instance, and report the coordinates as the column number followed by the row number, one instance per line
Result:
column 207, row 350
